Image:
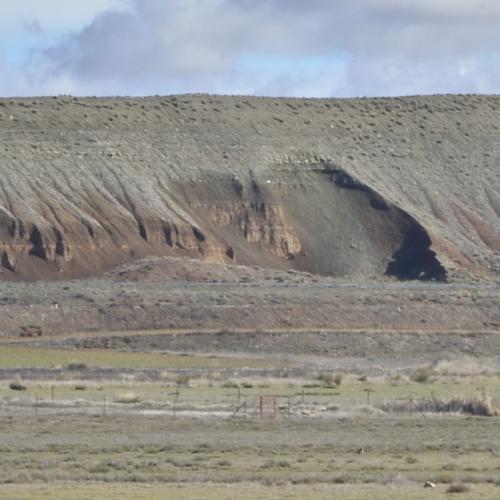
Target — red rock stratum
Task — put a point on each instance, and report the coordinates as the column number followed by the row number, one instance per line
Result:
column 358, row 188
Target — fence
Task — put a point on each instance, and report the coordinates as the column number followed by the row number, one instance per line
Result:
column 229, row 403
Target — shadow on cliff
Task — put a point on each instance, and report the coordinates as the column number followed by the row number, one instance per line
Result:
column 414, row 260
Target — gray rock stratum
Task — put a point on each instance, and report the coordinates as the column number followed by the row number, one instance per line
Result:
column 358, row 188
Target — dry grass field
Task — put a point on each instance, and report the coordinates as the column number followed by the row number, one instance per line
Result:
column 362, row 457
column 152, row 389
column 177, row 434
column 146, row 388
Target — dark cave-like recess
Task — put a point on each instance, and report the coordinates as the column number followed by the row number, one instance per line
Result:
column 414, row 260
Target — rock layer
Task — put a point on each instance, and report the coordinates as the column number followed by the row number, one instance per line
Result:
column 362, row 188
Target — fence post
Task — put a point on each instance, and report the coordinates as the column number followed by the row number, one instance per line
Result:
column 368, row 392
column 104, row 405
column 36, row 404
column 261, row 405
column 52, row 393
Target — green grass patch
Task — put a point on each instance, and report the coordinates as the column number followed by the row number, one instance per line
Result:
column 33, row 357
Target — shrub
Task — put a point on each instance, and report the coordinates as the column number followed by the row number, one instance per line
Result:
column 325, row 377
column 444, row 479
column 421, row 375
column 17, row 386
column 482, row 407
column 230, row 385
column 182, row 380
column 329, row 378
column 457, row 488
column 281, row 464
column 80, row 387
column 128, row 398
column 339, row 480
column 76, row 366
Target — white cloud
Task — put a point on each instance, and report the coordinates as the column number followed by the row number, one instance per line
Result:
column 54, row 13
column 368, row 47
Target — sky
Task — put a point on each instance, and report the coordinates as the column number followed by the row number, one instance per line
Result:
column 299, row 48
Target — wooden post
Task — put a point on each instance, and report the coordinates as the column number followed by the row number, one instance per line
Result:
column 289, row 407
column 274, row 407
column 261, row 405
column 52, row 393
column 368, row 392
column 104, row 405
column 411, row 405
column 303, row 396
column 239, row 394
column 36, row 404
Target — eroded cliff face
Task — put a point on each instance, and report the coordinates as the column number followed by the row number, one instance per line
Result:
column 88, row 184
column 325, row 221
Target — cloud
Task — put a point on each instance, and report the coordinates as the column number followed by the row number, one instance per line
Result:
column 54, row 13
column 35, row 29
column 364, row 47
